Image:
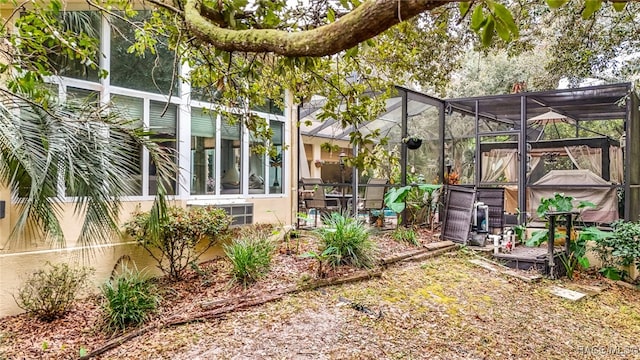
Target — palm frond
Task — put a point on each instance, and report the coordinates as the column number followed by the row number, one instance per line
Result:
column 88, row 150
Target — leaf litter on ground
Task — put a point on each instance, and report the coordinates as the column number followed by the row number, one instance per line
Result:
column 441, row 308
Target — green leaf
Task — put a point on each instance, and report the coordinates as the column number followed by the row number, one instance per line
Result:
column 429, row 188
column 505, row 16
column 611, row 273
column 590, row 7
column 477, row 18
column 353, row 52
column 487, row 34
column 537, row 238
column 585, row 203
column 563, row 203
column 331, row 15
column 464, row 8
column 502, row 31
column 394, row 199
column 554, row 4
column 584, row 262
column 592, row 233
column 619, row 6
column 56, row 6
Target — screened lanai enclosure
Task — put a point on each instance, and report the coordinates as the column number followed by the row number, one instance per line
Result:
column 408, row 113
column 574, row 141
column 584, row 142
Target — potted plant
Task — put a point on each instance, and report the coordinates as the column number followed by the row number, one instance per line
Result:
column 411, row 197
column 577, row 243
column 275, row 161
column 413, row 142
column 318, row 163
column 559, row 202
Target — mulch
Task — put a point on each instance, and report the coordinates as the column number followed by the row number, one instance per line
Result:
column 80, row 331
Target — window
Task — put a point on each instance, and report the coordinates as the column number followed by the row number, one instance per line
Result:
column 230, row 156
column 82, row 97
column 79, row 99
column 256, row 165
column 86, row 23
column 162, row 122
column 203, row 152
column 269, row 107
column 222, row 161
column 132, row 108
column 151, row 72
column 276, row 162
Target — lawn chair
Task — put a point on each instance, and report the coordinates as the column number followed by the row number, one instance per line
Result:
column 374, row 196
column 319, row 201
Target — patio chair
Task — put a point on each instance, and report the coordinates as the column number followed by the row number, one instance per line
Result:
column 373, row 196
column 319, row 201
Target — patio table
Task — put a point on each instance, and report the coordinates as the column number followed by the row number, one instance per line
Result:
column 343, row 199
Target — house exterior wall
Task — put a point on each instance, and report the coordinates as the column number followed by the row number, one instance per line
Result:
column 273, row 204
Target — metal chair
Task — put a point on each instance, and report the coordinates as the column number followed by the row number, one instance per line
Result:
column 374, row 196
column 319, row 201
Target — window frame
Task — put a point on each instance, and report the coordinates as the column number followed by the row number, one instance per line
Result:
column 184, row 105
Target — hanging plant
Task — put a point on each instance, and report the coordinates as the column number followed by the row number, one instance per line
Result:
column 413, row 142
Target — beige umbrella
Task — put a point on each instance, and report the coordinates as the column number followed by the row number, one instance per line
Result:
column 550, row 117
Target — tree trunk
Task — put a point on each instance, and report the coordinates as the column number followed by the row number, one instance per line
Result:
column 363, row 23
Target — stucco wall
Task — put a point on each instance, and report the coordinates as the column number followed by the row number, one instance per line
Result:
column 17, row 262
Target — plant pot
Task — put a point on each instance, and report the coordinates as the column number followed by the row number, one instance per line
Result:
column 413, row 144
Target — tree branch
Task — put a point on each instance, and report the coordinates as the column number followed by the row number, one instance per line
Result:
column 366, row 21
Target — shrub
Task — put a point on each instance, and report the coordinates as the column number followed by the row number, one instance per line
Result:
column 620, row 248
column 250, row 256
column 128, row 300
column 48, row 293
column 180, row 232
column 347, row 240
column 407, row 235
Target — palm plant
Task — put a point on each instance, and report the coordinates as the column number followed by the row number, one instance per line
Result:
column 345, row 240
column 90, row 149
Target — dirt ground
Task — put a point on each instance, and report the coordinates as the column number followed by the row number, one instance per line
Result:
column 444, row 308
column 441, row 308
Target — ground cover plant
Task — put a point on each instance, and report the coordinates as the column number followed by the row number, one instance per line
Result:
column 619, row 249
column 403, row 234
column 250, row 255
column 129, row 299
column 347, row 241
column 49, row 293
